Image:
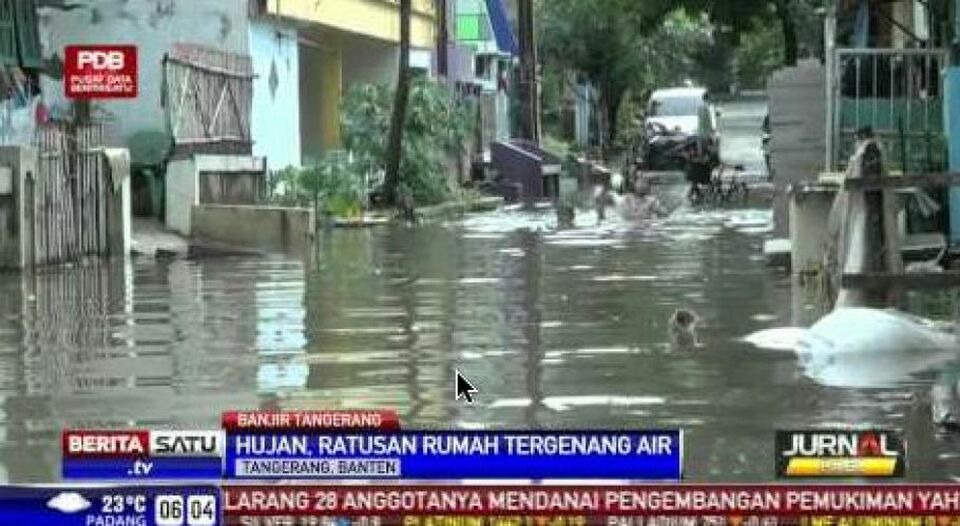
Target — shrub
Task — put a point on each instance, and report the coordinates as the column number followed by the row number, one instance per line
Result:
column 437, row 124
column 335, row 184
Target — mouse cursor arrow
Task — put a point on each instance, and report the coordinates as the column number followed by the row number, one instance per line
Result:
column 464, row 389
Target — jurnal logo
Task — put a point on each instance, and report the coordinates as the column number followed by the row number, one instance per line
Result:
column 100, row 72
column 825, row 453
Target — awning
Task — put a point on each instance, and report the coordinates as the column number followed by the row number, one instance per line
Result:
column 501, row 27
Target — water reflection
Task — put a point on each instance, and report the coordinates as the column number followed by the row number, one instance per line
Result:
column 556, row 329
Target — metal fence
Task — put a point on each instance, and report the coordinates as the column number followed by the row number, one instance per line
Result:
column 895, row 92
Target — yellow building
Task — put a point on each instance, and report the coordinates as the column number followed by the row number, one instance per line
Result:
column 343, row 42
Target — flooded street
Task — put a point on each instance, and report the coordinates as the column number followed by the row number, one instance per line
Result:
column 556, row 329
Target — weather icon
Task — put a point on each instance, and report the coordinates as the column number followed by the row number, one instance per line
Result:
column 68, row 502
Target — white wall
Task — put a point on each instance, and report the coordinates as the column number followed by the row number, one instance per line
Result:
column 183, row 191
column 183, row 184
column 153, row 25
column 275, row 121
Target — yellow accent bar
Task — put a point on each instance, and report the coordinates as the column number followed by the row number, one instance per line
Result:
column 842, row 467
column 373, row 18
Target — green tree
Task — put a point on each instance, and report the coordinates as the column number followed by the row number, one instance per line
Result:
column 437, row 122
column 760, row 53
column 738, row 17
column 620, row 46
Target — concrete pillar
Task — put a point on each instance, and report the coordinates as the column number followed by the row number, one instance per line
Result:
column 16, row 242
column 951, row 108
column 120, row 223
column 331, row 78
column 810, row 207
column 582, row 117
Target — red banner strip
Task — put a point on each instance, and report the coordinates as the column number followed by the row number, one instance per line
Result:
column 733, row 500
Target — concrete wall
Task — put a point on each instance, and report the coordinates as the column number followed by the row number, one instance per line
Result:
column 267, row 228
column 16, row 224
column 369, row 61
column 275, row 123
column 809, row 215
column 184, row 183
column 798, row 138
column 331, row 63
column 153, row 25
column 9, row 219
column 320, row 85
column 183, row 192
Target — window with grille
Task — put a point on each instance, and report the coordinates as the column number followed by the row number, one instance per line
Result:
column 19, row 36
column 471, row 21
column 28, row 36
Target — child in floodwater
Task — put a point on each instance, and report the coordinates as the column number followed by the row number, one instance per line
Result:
column 682, row 329
column 566, row 216
column 603, row 198
column 645, row 204
column 641, row 203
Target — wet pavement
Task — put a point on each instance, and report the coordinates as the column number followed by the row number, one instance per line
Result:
column 555, row 328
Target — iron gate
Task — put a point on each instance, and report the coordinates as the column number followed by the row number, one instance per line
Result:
column 897, row 93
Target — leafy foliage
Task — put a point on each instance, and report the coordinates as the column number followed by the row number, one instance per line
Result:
column 621, row 46
column 335, row 184
column 436, row 124
column 759, row 54
column 794, row 20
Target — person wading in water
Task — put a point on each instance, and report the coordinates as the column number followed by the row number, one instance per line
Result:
column 698, row 168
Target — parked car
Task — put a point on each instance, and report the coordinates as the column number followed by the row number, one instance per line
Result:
column 676, row 117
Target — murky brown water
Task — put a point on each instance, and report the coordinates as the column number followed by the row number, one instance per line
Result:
column 555, row 328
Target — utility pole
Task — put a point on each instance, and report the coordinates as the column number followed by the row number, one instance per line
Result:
column 399, row 117
column 443, row 38
column 529, row 79
column 952, row 122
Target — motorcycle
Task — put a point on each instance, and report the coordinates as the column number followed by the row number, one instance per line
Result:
column 661, row 147
column 765, row 146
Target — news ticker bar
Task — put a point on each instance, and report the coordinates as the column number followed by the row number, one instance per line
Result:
column 326, row 445
column 303, row 505
column 420, row 455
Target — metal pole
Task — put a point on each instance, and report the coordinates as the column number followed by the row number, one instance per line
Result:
column 530, row 119
column 443, row 38
column 829, row 36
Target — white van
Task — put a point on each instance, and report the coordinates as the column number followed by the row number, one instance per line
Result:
column 676, row 114
column 687, row 110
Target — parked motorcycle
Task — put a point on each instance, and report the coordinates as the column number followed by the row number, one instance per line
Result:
column 765, row 146
column 661, row 147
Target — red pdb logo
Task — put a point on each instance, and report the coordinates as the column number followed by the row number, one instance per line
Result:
column 100, row 72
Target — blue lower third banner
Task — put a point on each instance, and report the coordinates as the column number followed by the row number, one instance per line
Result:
column 111, row 506
column 635, row 455
column 151, row 468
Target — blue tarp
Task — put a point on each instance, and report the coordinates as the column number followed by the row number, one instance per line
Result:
column 501, row 27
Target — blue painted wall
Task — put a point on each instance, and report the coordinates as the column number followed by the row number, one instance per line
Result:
column 275, row 122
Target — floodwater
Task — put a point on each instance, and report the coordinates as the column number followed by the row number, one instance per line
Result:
column 555, row 328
